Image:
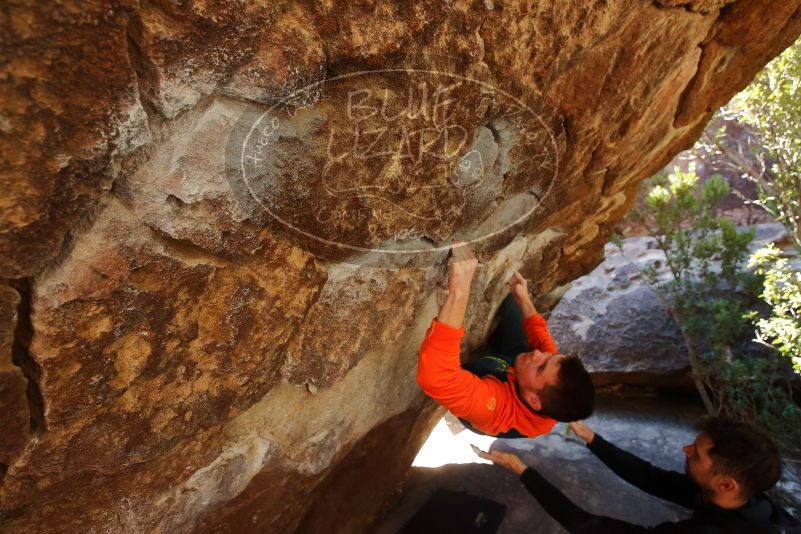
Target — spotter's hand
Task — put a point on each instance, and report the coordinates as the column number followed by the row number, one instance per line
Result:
column 504, row 459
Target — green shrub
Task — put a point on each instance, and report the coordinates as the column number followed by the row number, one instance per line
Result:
column 770, row 110
column 782, row 292
column 709, row 296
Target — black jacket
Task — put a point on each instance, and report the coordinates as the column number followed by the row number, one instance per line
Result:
column 759, row 515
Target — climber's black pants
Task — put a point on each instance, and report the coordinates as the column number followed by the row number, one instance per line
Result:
column 505, row 343
column 509, row 339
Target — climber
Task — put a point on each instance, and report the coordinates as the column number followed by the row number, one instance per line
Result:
column 525, row 389
column 727, row 469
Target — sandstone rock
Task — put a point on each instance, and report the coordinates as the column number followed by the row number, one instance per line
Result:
column 203, row 350
column 70, row 105
column 14, row 417
column 334, row 338
column 148, row 345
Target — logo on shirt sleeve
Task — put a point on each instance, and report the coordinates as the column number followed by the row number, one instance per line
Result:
column 491, row 404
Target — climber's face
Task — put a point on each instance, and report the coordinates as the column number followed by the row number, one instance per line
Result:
column 536, row 371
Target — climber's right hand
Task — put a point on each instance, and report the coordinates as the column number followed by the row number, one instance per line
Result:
column 462, row 267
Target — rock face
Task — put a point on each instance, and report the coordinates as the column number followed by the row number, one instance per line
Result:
column 616, row 323
column 224, row 224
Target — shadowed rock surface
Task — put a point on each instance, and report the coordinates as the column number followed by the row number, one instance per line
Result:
column 208, row 324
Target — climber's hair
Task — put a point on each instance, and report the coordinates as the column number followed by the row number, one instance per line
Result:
column 744, row 452
column 572, row 398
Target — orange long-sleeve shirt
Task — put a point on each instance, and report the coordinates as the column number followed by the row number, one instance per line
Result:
column 490, row 405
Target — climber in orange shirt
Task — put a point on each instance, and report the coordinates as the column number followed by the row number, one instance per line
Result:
column 520, row 393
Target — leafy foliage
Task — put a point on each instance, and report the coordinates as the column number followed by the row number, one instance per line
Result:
column 758, row 137
column 782, row 291
column 707, row 296
column 770, row 107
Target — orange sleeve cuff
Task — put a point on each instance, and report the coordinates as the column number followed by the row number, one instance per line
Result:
column 535, row 320
column 443, row 337
column 537, row 334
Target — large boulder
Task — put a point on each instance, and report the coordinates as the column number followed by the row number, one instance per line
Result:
column 617, row 323
column 224, row 225
column 620, row 326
